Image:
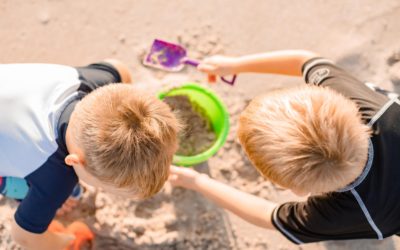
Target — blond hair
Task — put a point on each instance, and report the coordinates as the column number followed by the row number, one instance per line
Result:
column 308, row 138
column 128, row 137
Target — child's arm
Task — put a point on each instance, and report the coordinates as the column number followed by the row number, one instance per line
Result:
column 249, row 207
column 46, row 240
column 285, row 62
column 123, row 70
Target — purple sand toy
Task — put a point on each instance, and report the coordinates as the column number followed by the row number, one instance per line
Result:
column 171, row 57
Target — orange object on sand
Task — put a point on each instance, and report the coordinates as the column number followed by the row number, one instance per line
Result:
column 81, row 231
column 212, row 78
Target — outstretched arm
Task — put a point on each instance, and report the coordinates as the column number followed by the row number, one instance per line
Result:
column 284, row 62
column 255, row 210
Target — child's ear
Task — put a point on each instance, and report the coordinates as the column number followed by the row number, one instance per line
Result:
column 72, row 160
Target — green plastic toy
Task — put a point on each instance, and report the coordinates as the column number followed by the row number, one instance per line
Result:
column 215, row 111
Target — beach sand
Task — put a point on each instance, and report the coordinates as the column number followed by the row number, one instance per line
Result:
column 362, row 36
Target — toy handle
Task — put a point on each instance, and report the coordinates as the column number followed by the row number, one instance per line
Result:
column 231, row 82
column 195, row 63
column 191, row 62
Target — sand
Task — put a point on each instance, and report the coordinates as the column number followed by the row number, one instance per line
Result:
column 362, row 36
column 196, row 135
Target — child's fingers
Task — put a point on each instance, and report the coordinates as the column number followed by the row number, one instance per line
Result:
column 174, row 169
column 213, row 59
column 173, row 178
column 207, row 60
column 178, row 171
column 206, row 68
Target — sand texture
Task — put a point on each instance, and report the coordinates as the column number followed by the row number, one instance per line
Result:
column 196, row 135
column 361, row 36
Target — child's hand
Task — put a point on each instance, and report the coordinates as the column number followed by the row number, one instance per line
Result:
column 79, row 230
column 183, row 177
column 82, row 233
column 219, row 65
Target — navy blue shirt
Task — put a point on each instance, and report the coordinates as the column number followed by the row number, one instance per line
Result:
column 40, row 99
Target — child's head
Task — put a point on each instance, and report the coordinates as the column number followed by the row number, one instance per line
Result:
column 309, row 139
column 123, row 140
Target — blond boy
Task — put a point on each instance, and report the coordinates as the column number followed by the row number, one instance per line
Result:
column 61, row 124
column 334, row 139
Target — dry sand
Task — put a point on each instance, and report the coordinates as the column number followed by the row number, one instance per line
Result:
column 362, row 36
column 196, row 134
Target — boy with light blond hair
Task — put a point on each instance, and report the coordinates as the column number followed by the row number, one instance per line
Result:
column 61, row 124
column 335, row 139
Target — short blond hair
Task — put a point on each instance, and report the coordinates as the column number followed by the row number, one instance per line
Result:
column 305, row 138
column 128, row 137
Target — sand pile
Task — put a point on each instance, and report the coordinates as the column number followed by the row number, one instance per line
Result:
column 7, row 208
column 196, row 135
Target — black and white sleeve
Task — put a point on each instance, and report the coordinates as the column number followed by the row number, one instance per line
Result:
column 323, row 72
